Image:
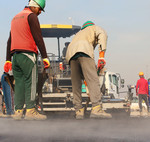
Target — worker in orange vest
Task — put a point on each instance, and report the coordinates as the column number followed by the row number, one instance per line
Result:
column 25, row 37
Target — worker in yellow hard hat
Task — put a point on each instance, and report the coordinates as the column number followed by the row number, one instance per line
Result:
column 142, row 92
column 141, row 73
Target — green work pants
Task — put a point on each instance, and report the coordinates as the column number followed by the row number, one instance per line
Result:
column 24, row 68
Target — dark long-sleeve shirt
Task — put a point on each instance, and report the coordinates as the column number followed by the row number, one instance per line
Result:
column 37, row 36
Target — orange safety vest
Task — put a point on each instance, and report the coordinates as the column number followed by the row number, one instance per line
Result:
column 21, row 36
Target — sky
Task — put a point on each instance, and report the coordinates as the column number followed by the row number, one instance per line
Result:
column 125, row 21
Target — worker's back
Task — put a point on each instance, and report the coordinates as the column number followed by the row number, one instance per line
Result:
column 142, row 84
column 86, row 40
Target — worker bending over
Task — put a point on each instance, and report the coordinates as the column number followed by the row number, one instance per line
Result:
column 80, row 56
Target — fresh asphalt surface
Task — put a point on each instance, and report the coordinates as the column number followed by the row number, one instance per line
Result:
column 63, row 127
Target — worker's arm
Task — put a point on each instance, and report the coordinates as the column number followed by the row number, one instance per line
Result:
column 137, row 86
column 8, row 64
column 36, row 33
column 8, row 55
column 147, row 89
column 101, row 37
column 101, row 60
column 37, row 36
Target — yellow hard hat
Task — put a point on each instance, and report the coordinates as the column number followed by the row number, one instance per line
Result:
column 141, row 73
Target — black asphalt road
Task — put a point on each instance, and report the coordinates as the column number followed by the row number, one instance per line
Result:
column 65, row 128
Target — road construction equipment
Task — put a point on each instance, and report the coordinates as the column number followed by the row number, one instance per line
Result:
column 56, row 91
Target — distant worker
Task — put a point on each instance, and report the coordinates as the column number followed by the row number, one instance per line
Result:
column 149, row 91
column 25, row 37
column 80, row 55
column 142, row 91
column 65, row 49
column 64, row 64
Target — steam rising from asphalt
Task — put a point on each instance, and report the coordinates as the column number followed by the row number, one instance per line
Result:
column 64, row 128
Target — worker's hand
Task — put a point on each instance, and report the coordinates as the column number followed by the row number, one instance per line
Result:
column 136, row 97
column 101, row 63
column 7, row 66
column 136, row 94
column 85, row 83
column 46, row 63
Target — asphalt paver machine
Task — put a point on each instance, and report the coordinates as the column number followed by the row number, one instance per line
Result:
column 54, row 84
column 55, row 88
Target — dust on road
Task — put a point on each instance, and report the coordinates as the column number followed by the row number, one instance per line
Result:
column 65, row 128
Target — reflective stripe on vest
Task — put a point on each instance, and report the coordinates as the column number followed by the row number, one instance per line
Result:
column 21, row 37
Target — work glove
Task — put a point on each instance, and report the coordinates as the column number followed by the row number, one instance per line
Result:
column 46, row 63
column 101, row 63
column 61, row 66
column 7, row 66
column 85, row 83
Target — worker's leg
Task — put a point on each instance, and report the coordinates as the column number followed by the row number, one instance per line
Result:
column 91, row 77
column 7, row 95
column 19, row 98
column 90, row 74
column 27, row 64
column 140, row 102
column 1, row 102
column 12, row 100
column 29, row 69
column 145, row 98
column 149, row 100
column 76, row 77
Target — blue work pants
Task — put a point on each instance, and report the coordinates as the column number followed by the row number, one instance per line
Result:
column 7, row 95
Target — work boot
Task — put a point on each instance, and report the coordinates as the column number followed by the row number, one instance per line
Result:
column 148, row 114
column 32, row 114
column 2, row 115
column 80, row 114
column 144, row 114
column 97, row 112
column 135, row 113
column 18, row 115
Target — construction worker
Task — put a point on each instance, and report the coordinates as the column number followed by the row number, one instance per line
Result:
column 25, row 37
column 142, row 92
column 80, row 56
